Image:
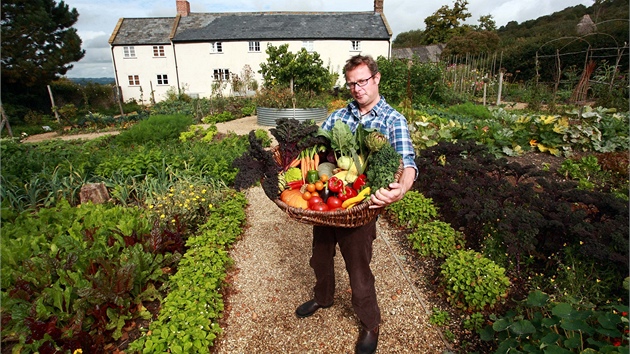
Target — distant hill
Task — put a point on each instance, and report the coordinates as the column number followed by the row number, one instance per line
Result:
column 96, row 80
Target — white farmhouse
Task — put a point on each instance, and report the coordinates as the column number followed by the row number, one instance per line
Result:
column 192, row 51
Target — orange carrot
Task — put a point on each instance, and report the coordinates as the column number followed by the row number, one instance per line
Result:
column 295, row 162
column 304, row 166
column 316, row 161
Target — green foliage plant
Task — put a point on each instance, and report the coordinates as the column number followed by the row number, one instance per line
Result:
column 550, row 327
column 188, row 320
column 474, row 321
column 413, row 210
column 439, row 317
column 158, row 128
column 83, row 268
column 473, row 282
column 436, row 239
column 199, row 132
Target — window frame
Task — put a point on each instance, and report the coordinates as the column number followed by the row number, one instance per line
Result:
column 158, row 51
column 221, row 74
column 309, row 46
column 129, row 51
column 355, row 46
column 254, row 47
column 162, row 79
column 216, row 47
column 133, row 80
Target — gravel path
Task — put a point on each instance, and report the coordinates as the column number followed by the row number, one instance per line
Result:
column 271, row 277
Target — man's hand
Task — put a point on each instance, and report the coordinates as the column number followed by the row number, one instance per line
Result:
column 384, row 197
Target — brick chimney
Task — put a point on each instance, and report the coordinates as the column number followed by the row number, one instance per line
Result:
column 378, row 6
column 183, row 7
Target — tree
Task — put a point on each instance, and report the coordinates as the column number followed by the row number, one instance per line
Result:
column 473, row 43
column 304, row 70
column 38, row 45
column 445, row 23
column 486, row 23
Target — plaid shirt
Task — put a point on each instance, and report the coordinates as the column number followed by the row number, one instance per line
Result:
column 385, row 119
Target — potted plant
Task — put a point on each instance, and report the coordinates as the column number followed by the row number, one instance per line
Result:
column 295, row 86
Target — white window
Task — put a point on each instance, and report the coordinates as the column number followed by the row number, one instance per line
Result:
column 134, row 80
column 308, row 45
column 162, row 79
column 216, row 47
column 254, row 46
column 221, row 74
column 129, row 52
column 158, row 50
column 356, row 45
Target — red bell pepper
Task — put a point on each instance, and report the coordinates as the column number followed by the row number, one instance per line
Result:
column 359, row 182
column 335, row 185
column 347, row 193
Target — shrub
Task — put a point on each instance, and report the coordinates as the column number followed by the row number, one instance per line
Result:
column 436, row 239
column 414, row 209
column 473, row 282
column 560, row 328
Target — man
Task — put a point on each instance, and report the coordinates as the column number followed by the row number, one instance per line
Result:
column 371, row 110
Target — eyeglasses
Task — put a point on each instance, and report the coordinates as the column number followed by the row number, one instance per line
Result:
column 360, row 83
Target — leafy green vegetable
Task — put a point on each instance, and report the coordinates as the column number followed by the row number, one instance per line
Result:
column 383, row 166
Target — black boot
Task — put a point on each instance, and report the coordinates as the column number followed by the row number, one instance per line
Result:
column 367, row 342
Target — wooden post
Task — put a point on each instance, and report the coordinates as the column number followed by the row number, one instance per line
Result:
column 52, row 101
column 5, row 121
column 118, row 96
column 485, row 87
column 500, row 87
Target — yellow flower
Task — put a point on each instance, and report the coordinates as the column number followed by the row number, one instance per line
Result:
column 203, row 199
column 203, row 191
column 533, row 142
column 210, row 206
column 151, row 206
column 162, row 216
column 78, row 351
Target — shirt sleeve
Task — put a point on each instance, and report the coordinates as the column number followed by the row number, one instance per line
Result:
column 401, row 138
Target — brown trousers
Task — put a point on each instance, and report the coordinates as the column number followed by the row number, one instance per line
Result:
column 356, row 248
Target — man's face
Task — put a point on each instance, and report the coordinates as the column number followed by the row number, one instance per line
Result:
column 367, row 94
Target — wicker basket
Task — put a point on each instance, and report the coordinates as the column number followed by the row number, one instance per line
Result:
column 356, row 216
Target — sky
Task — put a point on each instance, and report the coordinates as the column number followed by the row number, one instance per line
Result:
column 97, row 18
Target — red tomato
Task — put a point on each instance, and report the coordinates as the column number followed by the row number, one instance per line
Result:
column 319, row 206
column 334, row 202
column 314, row 200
